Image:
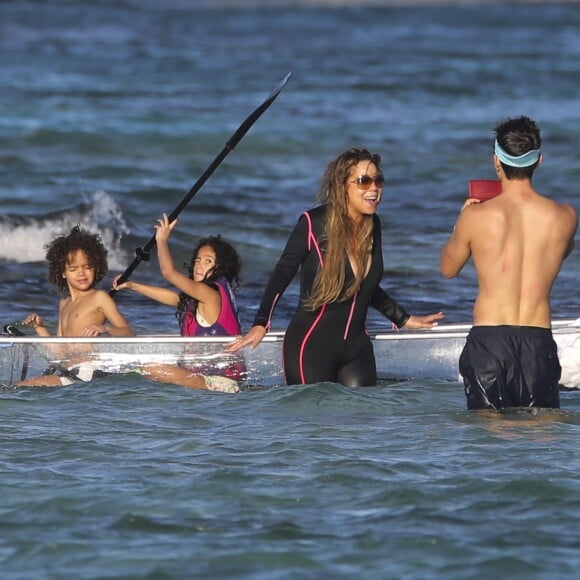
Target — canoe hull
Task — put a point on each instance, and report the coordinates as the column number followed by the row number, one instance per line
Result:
column 423, row 354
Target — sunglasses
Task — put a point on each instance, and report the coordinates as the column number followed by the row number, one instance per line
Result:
column 364, row 182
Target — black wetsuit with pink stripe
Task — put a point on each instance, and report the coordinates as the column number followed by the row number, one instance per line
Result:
column 330, row 343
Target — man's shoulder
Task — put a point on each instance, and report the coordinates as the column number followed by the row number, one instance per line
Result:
column 561, row 211
column 569, row 210
column 477, row 211
column 570, row 216
column 554, row 202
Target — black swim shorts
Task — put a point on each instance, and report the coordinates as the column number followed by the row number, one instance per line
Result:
column 510, row 366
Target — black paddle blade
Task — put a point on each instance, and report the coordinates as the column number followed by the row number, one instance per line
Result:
column 145, row 250
column 13, row 330
column 243, row 128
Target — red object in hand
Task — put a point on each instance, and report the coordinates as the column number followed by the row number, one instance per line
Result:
column 484, row 189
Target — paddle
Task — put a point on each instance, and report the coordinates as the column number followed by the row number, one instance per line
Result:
column 13, row 329
column 143, row 253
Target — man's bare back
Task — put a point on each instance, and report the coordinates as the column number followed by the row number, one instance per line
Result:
column 518, row 242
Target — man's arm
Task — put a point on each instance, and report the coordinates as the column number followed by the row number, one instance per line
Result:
column 573, row 218
column 457, row 250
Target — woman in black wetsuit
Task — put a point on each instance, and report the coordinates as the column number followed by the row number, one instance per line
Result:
column 338, row 247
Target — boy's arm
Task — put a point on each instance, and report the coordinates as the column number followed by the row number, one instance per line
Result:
column 117, row 325
column 37, row 323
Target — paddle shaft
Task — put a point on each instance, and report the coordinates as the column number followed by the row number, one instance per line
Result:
column 142, row 253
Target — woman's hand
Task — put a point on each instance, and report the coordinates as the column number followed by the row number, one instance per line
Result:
column 427, row 321
column 253, row 338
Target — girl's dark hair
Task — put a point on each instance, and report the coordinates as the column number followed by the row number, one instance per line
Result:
column 61, row 247
column 227, row 265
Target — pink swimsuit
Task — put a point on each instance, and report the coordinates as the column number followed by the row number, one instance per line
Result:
column 228, row 322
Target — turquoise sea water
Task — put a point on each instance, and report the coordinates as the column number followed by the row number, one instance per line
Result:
column 109, row 112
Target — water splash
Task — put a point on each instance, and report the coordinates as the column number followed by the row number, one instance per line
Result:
column 23, row 239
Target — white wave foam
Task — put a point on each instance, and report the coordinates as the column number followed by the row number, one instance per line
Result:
column 24, row 241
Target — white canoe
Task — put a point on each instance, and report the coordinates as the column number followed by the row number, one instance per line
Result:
column 403, row 354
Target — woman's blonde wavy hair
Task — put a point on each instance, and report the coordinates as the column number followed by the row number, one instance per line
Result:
column 343, row 236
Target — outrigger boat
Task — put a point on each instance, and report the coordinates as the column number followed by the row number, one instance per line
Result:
column 400, row 354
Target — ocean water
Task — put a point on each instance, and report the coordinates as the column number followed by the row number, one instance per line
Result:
column 109, row 113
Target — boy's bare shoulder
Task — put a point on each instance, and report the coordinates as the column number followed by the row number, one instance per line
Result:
column 101, row 297
column 63, row 302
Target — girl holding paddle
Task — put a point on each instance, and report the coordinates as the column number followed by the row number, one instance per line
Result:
column 205, row 304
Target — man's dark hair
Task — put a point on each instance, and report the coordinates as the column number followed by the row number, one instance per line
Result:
column 516, row 137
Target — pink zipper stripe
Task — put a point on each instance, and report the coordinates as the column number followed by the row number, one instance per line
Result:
column 312, row 239
column 350, row 315
column 276, row 298
column 303, row 345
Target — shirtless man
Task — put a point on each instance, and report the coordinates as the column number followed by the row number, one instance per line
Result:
column 76, row 263
column 518, row 241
